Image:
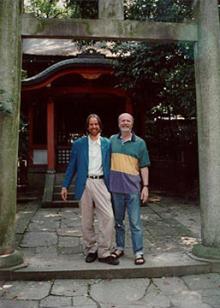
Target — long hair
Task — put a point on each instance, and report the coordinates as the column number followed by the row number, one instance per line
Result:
column 93, row 115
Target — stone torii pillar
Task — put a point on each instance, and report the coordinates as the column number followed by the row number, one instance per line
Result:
column 207, row 67
column 111, row 9
column 10, row 71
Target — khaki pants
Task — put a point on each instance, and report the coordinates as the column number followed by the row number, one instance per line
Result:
column 96, row 192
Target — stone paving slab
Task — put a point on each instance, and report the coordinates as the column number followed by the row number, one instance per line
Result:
column 26, row 290
column 70, row 287
column 203, row 282
column 210, row 296
column 170, row 285
column 106, row 292
column 66, row 241
column 187, row 213
column 39, row 239
column 166, row 292
column 43, row 225
column 188, row 299
column 152, row 300
column 18, row 304
column 56, row 301
column 24, row 214
column 83, row 301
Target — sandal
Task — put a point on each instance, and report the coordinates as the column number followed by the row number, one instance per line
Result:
column 117, row 253
column 109, row 260
column 139, row 260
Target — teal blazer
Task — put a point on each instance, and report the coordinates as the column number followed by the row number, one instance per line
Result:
column 79, row 163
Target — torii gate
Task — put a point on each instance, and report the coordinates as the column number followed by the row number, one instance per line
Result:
column 205, row 34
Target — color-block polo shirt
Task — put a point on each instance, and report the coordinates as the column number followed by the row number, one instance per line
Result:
column 126, row 160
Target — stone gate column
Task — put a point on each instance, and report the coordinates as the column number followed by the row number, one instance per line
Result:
column 207, row 67
column 112, row 9
column 10, row 71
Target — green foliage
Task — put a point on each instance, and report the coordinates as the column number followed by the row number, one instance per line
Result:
column 167, row 70
column 158, row 10
column 60, row 9
column 83, row 9
column 23, row 74
column 164, row 70
column 46, row 9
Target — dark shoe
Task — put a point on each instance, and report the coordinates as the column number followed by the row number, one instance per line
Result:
column 91, row 257
column 117, row 253
column 109, row 260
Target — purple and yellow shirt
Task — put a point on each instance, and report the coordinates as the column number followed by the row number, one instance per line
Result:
column 127, row 158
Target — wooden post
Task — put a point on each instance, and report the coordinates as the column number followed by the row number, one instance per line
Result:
column 128, row 105
column 50, row 135
column 30, row 135
column 142, row 118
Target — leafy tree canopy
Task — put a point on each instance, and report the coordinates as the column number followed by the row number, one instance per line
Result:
column 158, row 10
column 142, row 67
column 166, row 69
column 62, row 8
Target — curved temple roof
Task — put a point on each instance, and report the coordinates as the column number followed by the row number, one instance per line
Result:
column 68, row 65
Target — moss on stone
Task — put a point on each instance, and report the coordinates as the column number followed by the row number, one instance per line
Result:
column 87, row 27
column 6, row 102
column 11, row 260
column 206, row 252
column 10, row 63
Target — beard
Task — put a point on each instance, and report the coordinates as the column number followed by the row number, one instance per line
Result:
column 125, row 129
column 94, row 132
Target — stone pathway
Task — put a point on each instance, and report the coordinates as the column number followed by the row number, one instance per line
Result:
column 51, row 242
column 169, row 226
column 51, row 239
column 195, row 291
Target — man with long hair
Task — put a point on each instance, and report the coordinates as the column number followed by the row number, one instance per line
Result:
column 90, row 161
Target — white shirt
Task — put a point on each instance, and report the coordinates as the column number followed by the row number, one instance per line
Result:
column 95, row 157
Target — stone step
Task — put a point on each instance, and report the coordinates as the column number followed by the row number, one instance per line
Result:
column 57, row 196
column 57, row 188
column 59, row 177
column 60, row 181
column 74, row 267
column 61, row 204
column 22, row 197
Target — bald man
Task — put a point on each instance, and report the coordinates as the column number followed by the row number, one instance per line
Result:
column 128, row 184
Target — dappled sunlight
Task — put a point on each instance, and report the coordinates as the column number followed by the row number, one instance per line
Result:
column 6, row 286
column 144, row 217
column 19, row 214
column 53, row 215
column 189, row 241
column 26, row 212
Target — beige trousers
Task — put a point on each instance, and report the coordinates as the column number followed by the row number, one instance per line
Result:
column 96, row 193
